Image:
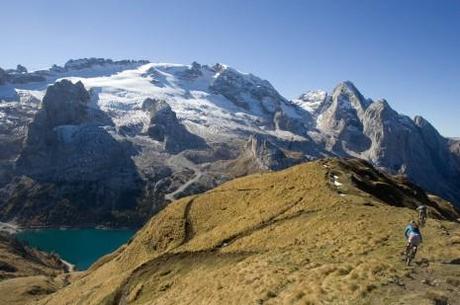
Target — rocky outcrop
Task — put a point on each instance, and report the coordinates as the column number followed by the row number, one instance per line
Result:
column 388, row 135
column 193, row 72
column 63, row 109
column 234, row 85
column 65, row 103
column 341, row 120
column 454, row 145
column 267, row 155
column 84, row 63
column 351, row 125
column 20, row 75
column 413, row 148
column 72, row 166
column 282, row 121
column 166, row 128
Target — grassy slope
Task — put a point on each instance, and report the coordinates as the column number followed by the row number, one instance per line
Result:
column 27, row 274
column 290, row 237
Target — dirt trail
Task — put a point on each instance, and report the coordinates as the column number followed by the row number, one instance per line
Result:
column 179, row 161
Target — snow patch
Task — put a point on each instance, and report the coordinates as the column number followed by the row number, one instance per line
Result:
column 336, row 181
column 311, row 100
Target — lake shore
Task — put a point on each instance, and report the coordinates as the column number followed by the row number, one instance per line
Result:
column 9, row 227
column 18, row 228
column 70, row 267
column 77, row 248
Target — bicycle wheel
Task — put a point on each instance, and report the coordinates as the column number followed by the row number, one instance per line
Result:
column 410, row 255
column 422, row 221
column 408, row 259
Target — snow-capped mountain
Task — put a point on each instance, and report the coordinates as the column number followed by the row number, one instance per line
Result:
column 102, row 141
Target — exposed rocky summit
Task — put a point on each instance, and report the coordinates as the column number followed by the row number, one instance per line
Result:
column 341, row 120
column 64, row 109
column 113, row 141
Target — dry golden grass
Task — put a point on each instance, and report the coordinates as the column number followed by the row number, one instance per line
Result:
column 290, row 237
column 17, row 260
column 27, row 274
column 28, row 289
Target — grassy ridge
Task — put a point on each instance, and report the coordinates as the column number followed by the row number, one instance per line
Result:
column 319, row 233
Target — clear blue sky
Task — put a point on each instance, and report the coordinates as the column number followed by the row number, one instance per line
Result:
column 407, row 51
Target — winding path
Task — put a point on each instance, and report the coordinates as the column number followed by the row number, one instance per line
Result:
column 180, row 161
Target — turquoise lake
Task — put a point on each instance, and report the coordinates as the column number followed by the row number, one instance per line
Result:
column 81, row 247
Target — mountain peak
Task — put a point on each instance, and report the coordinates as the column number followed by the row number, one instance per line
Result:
column 219, row 67
column 347, row 95
column 346, row 85
column 428, row 131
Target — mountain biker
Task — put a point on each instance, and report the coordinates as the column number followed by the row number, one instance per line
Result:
column 422, row 212
column 413, row 235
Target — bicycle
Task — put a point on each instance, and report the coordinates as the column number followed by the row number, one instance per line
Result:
column 411, row 250
column 422, row 219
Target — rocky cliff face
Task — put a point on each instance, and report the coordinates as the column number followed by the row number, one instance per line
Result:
column 70, row 165
column 116, row 140
column 266, row 154
column 234, row 86
column 341, row 119
column 63, row 109
column 351, row 125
